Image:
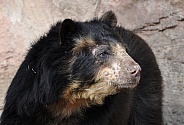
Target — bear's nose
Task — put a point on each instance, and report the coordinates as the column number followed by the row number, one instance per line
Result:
column 134, row 70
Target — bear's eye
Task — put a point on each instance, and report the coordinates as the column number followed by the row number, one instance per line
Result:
column 103, row 54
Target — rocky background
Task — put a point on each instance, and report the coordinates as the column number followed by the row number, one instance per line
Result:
column 159, row 22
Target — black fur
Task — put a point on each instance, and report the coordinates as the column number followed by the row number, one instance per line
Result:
column 45, row 73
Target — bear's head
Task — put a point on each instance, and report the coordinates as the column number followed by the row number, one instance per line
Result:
column 98, row 65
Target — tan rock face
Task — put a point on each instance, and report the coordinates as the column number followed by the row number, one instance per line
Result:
column 159, row 22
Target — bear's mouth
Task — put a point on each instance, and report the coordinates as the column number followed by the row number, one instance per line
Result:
column 125, row 84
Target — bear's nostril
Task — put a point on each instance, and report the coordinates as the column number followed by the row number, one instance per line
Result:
column 134, row 70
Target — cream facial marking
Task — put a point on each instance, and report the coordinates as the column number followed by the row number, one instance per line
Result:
column 82, row 43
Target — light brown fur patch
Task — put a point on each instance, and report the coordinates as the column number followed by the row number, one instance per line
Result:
column 75, row 99
column 82, row 43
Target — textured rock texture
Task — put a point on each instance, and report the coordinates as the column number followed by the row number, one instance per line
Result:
column 159, row 22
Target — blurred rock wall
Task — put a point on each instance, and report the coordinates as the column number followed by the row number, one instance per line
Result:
column 159, row 22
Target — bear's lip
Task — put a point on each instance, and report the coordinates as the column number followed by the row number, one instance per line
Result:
column 129, row 84
column 125, row 85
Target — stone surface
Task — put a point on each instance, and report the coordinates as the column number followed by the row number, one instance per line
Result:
column 159, row 22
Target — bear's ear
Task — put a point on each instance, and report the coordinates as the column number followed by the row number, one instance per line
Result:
column 67, row 28
column 110, row 18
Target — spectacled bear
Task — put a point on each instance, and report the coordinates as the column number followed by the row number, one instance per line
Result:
column 86, row 73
